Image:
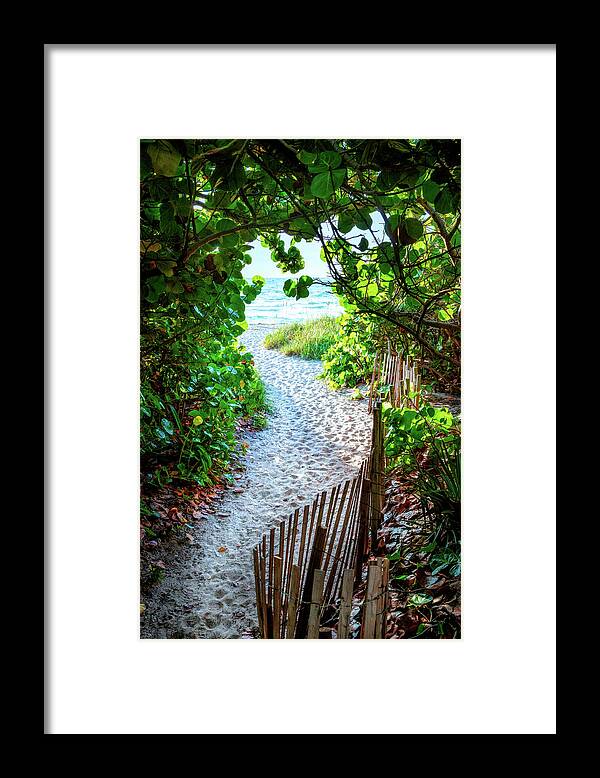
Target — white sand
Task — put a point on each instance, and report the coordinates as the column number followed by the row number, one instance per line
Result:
column 316, row 438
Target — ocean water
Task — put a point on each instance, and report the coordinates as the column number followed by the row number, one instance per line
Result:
column 273, row 307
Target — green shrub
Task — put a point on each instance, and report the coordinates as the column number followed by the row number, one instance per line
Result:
column 188, row 426
column 411, row 430
column 426, row 443
column 349, row 360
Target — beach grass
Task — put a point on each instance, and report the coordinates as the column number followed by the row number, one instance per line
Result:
column 310, row 339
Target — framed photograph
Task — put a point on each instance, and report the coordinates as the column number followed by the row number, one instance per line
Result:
column 274, row 307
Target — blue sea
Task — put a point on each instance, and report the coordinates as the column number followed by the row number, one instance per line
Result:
column 273, row 307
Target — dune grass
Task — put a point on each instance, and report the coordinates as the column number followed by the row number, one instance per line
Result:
column 310, row 339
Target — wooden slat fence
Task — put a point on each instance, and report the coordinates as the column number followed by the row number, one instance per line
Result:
column 395, row 379
column 299, row 565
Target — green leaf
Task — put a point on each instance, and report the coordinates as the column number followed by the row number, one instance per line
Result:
column 339, row 176
column 181, row 206
column 385, row 271
column 443, row 201
column 360, row 218
column 156, row 286
column 388, row 179
column 303, row 227
column 363, row 245
column 174, row 286
column 225, row 224
column 230, row 241
column 307, row 157
column 419, row 599
column 414, row 228
column 330, row 158
column 392, row 225
column 167, row 266
column 363, row 219
column 345, row 222
column 289, row 287
column 430, row 190
column 165, row 158
column 324, row 185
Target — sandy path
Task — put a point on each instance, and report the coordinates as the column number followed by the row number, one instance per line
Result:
column 315, row 439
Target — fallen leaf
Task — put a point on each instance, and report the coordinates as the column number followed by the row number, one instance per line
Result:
column 221, row 549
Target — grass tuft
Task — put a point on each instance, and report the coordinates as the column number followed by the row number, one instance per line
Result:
column 310, row 339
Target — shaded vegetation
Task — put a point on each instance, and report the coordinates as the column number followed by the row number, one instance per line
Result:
column 423, row 454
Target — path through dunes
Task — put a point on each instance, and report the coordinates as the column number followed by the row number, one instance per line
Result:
column 316, row 438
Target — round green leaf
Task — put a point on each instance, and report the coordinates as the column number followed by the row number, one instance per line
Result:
column 414, row 228
column 363, row 219
column 225, row 224
column 339, row 176
column 165, row 158
column 330, row 158
column 430, row 190
column 322, row 186
column 307, row 157
column 443, row 201
column 289, row 287
column 345, row 222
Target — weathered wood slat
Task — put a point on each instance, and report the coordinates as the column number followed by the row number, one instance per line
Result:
column 292, row 608
column 333, row 534
column 305, row 514
column 345, row 603
column 259, row 604
column 385, row 577
column 315, row 604
column 369, row 617
column 263, row 581
column 289, row 561
column 342, row 541
column 277, row 597
column 313, row 564
column 271, row 555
